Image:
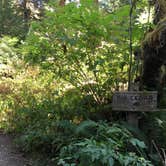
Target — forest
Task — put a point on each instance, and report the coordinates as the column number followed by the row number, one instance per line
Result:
column 61, row 62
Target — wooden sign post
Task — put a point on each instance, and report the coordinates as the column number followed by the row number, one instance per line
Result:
column 133, row 102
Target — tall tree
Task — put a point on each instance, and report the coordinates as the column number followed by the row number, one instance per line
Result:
column 154, row 48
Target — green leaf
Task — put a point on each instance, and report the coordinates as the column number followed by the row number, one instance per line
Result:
column 111, row 161
column 136, row 142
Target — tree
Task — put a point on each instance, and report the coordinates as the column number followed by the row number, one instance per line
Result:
column 84, row 46
column 154, row 47
column 62, row 2
column 31, row 9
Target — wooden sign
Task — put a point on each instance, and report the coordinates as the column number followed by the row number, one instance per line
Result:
column 135, row 101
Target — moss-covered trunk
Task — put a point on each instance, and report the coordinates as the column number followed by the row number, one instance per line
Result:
column 154, row 48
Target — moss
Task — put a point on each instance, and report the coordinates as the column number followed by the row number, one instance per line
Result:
column 154, row 50
column 160, row 10
column 155, row 38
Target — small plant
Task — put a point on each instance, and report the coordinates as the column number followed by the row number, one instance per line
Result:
column 107, row 145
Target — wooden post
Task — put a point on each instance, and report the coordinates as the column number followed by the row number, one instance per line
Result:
column 133, row 102
column 133, row 119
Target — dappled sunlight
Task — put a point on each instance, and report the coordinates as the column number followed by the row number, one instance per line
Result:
column 63, row 62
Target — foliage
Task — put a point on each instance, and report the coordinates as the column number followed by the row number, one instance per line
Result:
column 66, row 69
column 107, row 145
column 156, row 122
column 11, row 21
column 83, row 46
column 8, row 50
column 86, row 143
column 34, row 96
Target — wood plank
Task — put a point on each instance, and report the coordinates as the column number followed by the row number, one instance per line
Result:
column 141, row 101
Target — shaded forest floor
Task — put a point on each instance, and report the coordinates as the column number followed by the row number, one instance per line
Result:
column 9, row 155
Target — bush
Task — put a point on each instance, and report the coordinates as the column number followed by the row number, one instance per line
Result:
column 98, row 144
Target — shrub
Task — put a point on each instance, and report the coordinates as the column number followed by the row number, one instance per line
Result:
column 98, row 144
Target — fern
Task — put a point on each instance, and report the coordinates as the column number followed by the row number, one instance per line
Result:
column 86, row 129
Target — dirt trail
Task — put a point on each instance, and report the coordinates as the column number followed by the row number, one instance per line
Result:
column 9, row 156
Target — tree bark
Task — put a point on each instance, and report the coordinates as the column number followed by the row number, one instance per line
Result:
column 154, row 49
column 96, row 1
column 62, row 2
column 160, row 10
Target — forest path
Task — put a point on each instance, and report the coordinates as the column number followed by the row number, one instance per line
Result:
column 9, row 155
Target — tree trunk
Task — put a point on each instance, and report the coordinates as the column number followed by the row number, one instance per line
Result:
column 62, row 2
column 154, row 48
column 160, row 10
column 96, row 1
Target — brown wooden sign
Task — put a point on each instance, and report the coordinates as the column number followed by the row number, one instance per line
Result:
column 135, row 101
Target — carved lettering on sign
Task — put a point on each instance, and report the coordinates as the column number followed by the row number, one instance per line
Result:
column 134, row 101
